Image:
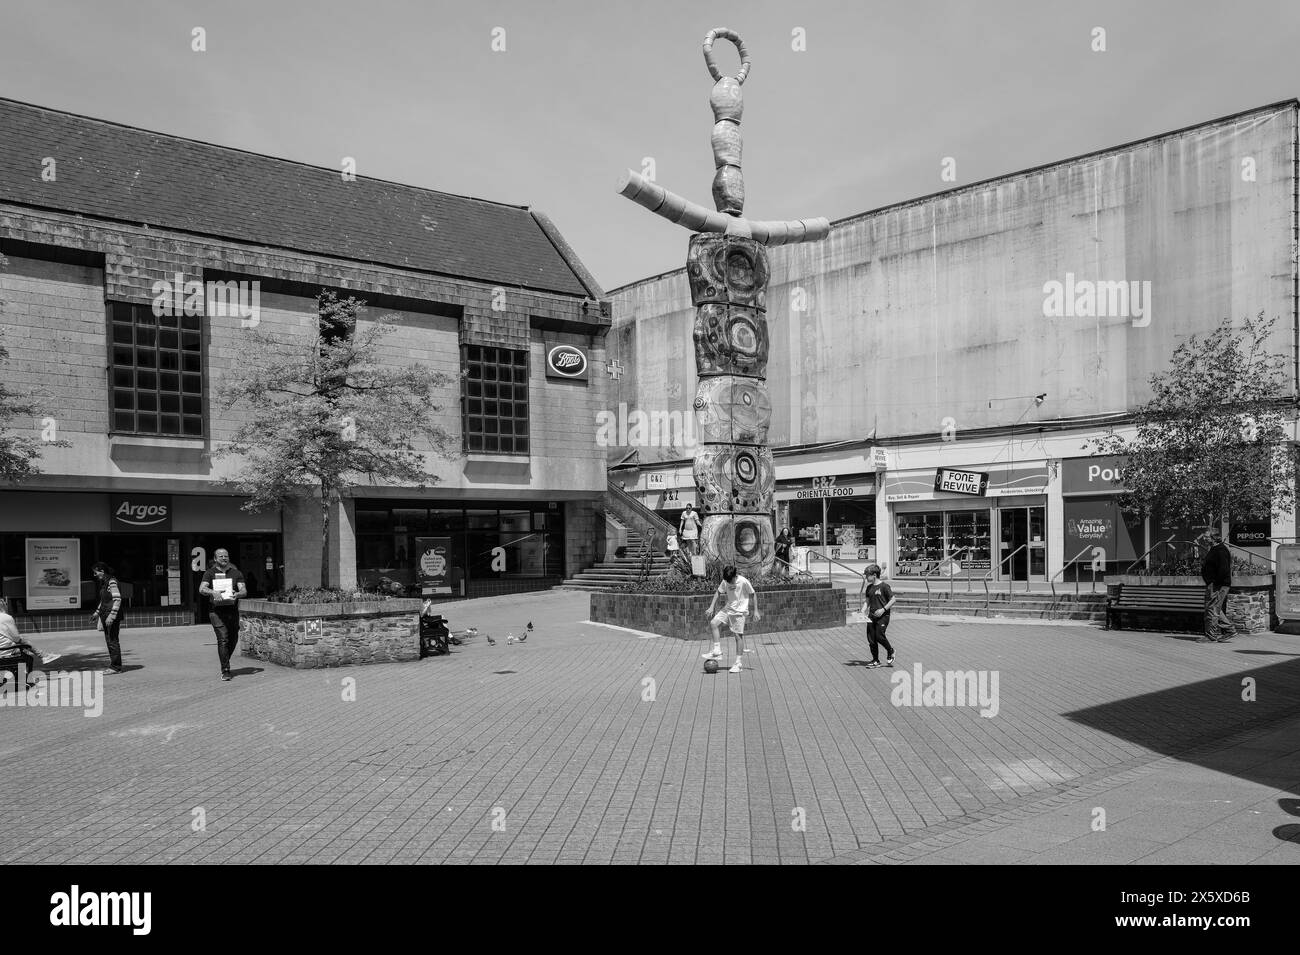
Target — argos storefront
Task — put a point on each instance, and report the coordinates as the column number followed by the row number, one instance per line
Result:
column 159, row 545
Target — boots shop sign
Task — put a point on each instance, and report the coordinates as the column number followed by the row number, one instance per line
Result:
column 140, row 512
column 566, row 361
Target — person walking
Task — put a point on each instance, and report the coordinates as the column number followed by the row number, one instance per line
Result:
column 1216, row 571
column 736, row 592
column 689, row 528
column 108, row 613
column 783, row 551
column 224, row 586
column 876, row 604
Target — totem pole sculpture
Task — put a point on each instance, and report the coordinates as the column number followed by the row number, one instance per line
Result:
column 727, row 269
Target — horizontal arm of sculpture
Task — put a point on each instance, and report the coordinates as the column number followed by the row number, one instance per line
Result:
column 695, row 217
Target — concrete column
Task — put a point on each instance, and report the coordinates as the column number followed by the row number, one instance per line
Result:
column 884, row 529
column 343, row 545
column 1056, row 556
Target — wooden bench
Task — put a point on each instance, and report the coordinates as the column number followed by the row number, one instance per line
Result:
column 1172, row 599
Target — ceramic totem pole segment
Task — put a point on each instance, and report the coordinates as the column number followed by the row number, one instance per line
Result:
column 732, row 410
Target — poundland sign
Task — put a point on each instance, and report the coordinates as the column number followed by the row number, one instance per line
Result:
column 140, row 512
column 1103, row 474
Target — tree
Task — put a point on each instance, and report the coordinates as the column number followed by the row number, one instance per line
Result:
column 1212, row 442
column 18, row 452
column 325, row 412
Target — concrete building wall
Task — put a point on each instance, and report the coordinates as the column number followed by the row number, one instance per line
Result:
column 934, row 309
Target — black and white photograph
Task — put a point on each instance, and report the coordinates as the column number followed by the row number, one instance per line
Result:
column 561, row 432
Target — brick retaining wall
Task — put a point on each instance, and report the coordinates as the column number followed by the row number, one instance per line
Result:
column 684, row 615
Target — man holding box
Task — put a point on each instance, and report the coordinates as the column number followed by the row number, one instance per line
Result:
column 224, row 586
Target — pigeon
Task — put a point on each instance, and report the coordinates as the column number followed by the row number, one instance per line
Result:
column 491, row 642
column 524, row 636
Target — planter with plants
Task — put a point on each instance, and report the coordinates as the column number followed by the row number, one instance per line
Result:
column 676, row 605
column 307, row 628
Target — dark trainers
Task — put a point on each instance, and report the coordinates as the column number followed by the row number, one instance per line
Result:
column 225, row 676
column 890, row 661
column 873, row 664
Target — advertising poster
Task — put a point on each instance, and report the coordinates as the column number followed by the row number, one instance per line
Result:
column 1288, row 582
column 53, row 573
column 433, row 568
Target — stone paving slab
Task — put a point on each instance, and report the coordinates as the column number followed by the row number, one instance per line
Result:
column 593, row 745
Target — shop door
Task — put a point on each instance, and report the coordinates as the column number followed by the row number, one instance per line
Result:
column 1023, row 543
column 1014, row 525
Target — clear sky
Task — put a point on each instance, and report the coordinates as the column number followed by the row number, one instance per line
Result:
column 862, row 117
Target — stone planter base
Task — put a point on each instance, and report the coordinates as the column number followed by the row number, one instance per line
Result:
column 1249, row 605
column 683, row 615
column 306, row 636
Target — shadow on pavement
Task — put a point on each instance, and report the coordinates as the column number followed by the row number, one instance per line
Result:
column 1188, row 722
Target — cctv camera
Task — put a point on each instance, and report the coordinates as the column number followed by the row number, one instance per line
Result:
column 1038, row 399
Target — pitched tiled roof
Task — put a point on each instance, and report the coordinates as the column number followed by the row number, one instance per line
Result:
column 133, row 175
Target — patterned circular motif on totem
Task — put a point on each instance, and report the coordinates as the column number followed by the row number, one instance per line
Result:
column 730, row 339
column 744, row 540
column 724, row 269
column 732, row 409
column 735, row 478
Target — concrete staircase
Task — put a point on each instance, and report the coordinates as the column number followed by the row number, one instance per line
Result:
column 619, row 570
column 1085, row 608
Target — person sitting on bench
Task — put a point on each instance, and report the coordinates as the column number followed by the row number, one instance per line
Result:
column 14, row 648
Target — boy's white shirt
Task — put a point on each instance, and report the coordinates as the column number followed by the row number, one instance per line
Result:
column 737, row 595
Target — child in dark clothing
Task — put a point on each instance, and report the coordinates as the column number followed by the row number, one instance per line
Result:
column 876, row 603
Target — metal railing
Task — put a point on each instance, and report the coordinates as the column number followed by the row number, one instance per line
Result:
column 1147, row 552
column 831, row 560
column 1007, row 560
column 1051, row 613
column 925, row 578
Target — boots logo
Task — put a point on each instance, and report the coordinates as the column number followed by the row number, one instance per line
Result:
column 142, row 512
column 566, row 361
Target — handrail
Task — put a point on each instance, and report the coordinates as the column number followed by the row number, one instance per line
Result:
column 1248, row 554
column 1010, row 581
column 934, row 570
column 831, row 560
column 1051, row 613
column 1144, row 554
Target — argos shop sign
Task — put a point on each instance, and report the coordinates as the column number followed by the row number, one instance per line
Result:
column 140, row 512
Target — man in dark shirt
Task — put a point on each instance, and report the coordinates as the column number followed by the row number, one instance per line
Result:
column 1216, row 571
column 224, row 586
column 877, row 601
column 108, row 613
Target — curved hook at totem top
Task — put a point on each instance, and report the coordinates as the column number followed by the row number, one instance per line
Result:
column 725, row 34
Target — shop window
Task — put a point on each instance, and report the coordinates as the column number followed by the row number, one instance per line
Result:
column 851, row 526
column 920, row 543
column 806, row 523
column 155, row 367
column 970, row 529
column 494, row 399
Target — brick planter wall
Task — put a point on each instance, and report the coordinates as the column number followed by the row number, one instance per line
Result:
column 683, row 615
column 385, row 631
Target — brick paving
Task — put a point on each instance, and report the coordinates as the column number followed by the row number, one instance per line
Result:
column 590, row 744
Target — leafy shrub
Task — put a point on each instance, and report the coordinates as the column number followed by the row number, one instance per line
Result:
column 316, row 595
column 675, row 582
column 1187, row 565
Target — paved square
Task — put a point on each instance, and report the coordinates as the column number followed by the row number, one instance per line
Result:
column 594, row 745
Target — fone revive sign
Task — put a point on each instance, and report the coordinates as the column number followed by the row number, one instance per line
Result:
column 140, row 512
column 961, row 482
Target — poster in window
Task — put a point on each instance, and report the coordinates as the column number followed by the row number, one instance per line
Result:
column 434, row 569
column 53, row 573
